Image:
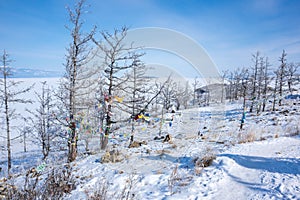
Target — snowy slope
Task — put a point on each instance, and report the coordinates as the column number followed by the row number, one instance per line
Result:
column 267, row 168
column 260, row 170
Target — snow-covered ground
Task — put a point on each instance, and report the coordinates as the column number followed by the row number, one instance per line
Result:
column 262, row 161
column 260, row 170
column 265, row 169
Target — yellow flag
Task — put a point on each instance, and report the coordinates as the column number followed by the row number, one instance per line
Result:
column 119, row 99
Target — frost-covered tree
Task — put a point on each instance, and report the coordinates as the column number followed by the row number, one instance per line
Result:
column 282, row 72
column 136, row 92
column 25, row 133
column 254, row 79
column 244, row 85
column 223, row 97
column 291, row 72
column 235, row 87
column 275, row 90
column 42, row 119
column 183, row 95
column 266, row 82
column 244, row 93
column 196, row 84
column 237, row 83
column 100, row 106
column 10, row 93
column 168, row 94
column 118, row 58
column 230, row 87
column 77, row 81
column 259, row 79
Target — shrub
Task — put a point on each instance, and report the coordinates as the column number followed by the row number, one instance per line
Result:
column 29, row 191
column 205, row 161
column 246, row 137
column 177, row 180
column 100, row 192
column 103, row 188
column 58, row 182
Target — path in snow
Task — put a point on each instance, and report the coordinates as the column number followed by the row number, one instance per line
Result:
column 259, row 170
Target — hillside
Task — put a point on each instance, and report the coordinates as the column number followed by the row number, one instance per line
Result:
column 259, row 162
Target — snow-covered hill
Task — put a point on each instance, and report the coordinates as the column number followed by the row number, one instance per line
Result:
column 259, row 162
column 267, row 168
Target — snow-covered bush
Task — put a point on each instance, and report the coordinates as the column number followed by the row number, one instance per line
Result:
column 204, row 160
column 246, row 137
column 178, row 178
column 103, row 190
column 57, row 183
column 99, row 192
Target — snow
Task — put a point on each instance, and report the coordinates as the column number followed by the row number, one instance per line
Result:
column 261, row 170
column 266, row 167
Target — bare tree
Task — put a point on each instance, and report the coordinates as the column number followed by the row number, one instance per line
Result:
column 42, row 119
column 235, row 88
column 76, row 77
column 183, row 95
column 136, row 92
column 281, row 75
column 168, row 94
column 123, row 84
column 260, row 84
column 255, row 59
column 100, row 106
column 223, row 97
column 230, row 87
column 242, row 80
column 237, row 83
column 266, row 81
column 25, row 133
column 10, row 94
column 195, row 87
column 275, row 90
column 291, row 70
column 245, row 85
column 118, row 57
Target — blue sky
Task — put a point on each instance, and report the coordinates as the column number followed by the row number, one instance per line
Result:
column 33, row 31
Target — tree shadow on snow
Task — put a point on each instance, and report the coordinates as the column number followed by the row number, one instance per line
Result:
column 274, row 165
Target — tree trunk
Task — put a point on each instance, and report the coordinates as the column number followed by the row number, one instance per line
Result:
column 72, row 143
column 253, row 95
column 24, row 141
column 265, row 90
column 8, row 97
column 7, row 119
column 109, row 109
column 274, row 93
column 282, row 73
column 7, row 130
